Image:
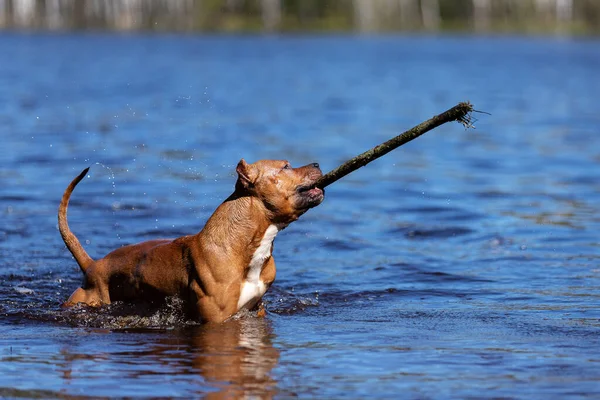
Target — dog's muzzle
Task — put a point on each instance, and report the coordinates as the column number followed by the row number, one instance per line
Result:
column 310, row 195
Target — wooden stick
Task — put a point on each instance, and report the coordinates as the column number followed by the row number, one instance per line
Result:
column 461, row 113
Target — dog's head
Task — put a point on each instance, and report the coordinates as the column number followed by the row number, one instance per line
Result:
column 285, row 191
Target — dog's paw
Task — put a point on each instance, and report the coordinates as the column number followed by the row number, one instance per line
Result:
column 262, row 311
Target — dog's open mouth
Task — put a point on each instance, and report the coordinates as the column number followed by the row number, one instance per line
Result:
column 310, row 190
column 310, row 195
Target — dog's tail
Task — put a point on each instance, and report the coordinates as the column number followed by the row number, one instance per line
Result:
column 71, row 241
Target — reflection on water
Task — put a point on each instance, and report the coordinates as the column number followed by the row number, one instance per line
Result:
column 237, row 357
column 231, row 360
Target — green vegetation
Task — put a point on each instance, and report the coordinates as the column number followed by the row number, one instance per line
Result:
column 482, row 16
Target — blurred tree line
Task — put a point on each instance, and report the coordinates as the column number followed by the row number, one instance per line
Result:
column 564, row 16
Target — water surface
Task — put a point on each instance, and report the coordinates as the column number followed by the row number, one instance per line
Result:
column 465, row 264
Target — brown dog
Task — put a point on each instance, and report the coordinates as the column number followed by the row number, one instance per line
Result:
column 226, row 267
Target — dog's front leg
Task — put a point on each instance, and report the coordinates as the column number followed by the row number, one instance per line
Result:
column 213, row 308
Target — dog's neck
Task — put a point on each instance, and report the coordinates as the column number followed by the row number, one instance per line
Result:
column 242, row 229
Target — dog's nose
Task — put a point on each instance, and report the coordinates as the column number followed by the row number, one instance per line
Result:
column 315, row 164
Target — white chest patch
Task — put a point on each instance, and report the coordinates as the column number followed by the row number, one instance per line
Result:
column 253, row 288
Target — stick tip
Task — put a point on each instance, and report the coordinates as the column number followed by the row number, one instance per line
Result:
column 466, row 105
column 465, row 117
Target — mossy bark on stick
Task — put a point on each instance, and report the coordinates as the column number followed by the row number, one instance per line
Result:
column 461, row 113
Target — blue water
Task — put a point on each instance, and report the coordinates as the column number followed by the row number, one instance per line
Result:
column 464, row 264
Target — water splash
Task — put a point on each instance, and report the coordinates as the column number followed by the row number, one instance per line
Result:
column 115, row 204
column 112, row 175
column 121, row 315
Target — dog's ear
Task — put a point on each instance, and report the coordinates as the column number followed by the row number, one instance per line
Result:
column 246, row 174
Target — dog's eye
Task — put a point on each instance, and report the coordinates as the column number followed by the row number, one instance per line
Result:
column 287, row 166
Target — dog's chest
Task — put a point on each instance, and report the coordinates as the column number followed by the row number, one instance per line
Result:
column 253, row 288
